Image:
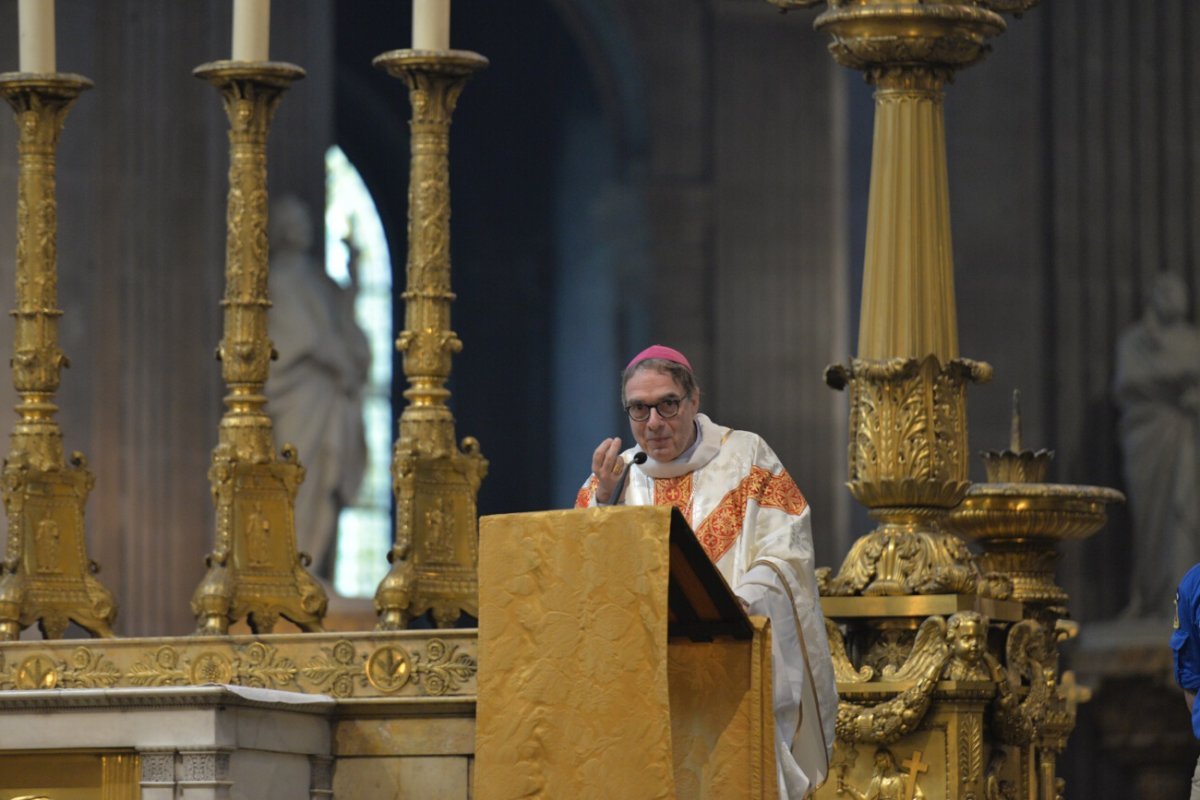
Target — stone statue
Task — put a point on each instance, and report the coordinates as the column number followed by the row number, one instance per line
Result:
column 315, row 387
column 995, row 787
column 1157, row 388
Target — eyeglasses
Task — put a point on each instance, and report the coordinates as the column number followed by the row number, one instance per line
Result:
column 666, row 408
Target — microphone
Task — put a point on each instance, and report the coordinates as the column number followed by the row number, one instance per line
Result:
column 629, row 458
column 622, row 468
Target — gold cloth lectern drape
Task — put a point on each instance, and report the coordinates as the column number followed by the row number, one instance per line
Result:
column 580, row 693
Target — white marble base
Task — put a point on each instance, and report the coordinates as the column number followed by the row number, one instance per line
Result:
column 210, row 742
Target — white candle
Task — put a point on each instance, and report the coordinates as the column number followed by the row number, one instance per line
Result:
column 431, row 25
column 36, row 35
column 251, row 29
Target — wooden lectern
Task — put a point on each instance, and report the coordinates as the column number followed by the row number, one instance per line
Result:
column 614, row 661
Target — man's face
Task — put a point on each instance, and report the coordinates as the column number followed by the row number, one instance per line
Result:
column 662, row 439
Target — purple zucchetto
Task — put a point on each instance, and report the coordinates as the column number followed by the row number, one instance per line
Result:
column 663, row 352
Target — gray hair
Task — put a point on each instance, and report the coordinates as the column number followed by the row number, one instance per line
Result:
column 682, row 375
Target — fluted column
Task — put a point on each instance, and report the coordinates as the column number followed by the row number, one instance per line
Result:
column 908, row 307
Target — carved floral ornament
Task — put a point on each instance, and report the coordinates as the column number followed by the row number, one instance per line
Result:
column 908, row 428
column 342, row 668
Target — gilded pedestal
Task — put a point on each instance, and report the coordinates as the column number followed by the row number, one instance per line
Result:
column 435, row 554
column 46, row 576
column 254, row 570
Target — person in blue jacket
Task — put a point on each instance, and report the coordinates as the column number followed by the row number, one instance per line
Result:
column 1185, row 643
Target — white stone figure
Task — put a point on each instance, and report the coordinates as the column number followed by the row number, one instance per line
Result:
column 315, row 387
column 1157, row 388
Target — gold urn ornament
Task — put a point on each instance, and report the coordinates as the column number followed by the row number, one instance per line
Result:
column 1019, row 519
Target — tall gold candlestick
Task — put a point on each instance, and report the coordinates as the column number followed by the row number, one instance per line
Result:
column 908, row 464
column 434, row 558
column 46, row 572
column 254, row 571
column 908, row 438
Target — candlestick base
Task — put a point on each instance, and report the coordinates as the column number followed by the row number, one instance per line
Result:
column 47, row 577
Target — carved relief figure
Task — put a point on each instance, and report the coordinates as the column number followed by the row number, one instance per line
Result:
column 315, row 387
column 258, row 538
column 439, row 539
column 47, row 539
column 1157, row 388
column 887, row 783
column 995, row 787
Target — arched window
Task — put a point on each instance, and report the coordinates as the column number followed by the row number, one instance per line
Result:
column 354, row 239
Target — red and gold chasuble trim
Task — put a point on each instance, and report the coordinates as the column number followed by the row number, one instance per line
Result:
column 721, row 528
column 584, row 498
column 675, row 492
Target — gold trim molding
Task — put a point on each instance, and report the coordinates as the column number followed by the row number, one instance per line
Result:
column 409, row 664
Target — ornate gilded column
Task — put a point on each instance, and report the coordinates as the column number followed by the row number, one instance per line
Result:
column 46, row 575
column 435, row 554
column 908, row 424
column 947, row 664
column 254, row 570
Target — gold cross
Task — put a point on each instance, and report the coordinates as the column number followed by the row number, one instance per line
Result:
column 913, row 768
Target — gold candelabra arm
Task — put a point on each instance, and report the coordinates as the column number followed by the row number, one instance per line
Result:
column 434, row 559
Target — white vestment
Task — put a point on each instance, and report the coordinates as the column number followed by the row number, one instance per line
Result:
column 755, row 526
